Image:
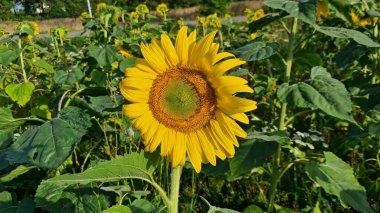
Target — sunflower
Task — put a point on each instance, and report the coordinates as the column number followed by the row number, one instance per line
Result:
column 162, row 9
column 182, row 101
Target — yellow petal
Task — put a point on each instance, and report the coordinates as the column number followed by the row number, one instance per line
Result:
column 220, row 68
column 159, row 134
column 235, row 127
column 138, row 73
column 179, row 149
column 233, row 104
column 207, row 148
column 242, row 117
column 154, row 57
column 135, row 110
column 194, row 152
column 137, row 83
column 170, row 52
column 134, row 95
column 219, row 150
column 143, row 65
column 182, row 46
column 220, row 117
column 221, row 56
column 224, row 140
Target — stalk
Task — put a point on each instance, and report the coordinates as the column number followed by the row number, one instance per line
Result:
column 174, row 189
column 22, row 61
column 277, row 159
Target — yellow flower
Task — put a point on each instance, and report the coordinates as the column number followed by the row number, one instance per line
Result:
column 116, row 41
column 134, row 17
column 3, row 33
column 259, row 14
column 124, row 52
column 26, row 37
column 135, row 31
column 36, row 27
column 85, row 17
column 162, row 10
column 322, row 9
column 201, row 20
column 227, row 16
column 100, row 7
column 249, row 15
column 214, row 21
column 253, row 36
column 142, row 9
column 114, row 65
column 363, row 22
column 182, row 101
column 180, row 23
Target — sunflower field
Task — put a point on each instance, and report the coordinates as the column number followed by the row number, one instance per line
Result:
column 276, row 111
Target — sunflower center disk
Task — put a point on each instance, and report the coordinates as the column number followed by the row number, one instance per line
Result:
column 182, row 99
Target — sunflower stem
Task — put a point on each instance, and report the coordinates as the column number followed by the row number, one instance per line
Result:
column 22, row 61
column 275, row 177
column 174, row 189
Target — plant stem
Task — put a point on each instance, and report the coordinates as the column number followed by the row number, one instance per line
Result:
column 174, row 189
column 22, row 61
column 277, row 159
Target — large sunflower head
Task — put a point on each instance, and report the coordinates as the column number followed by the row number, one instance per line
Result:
column 182, row 102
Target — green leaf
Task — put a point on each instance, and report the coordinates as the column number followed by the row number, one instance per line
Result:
column 10, row 56
column 320, row 92
column 264, row 21
column 15, row 173
column 304, row 10
column 239, row 72
column 214, row 209
column 6, row 203
column 133, row 165
column 20, row 93
column 256, row 50
column 42, row 111
column 350, row 53
column 44, row 65
column 142, row 206
column 27, row 205
column 126, row 63
column 7, row 122
column 357, row 36
column 104, row 55
column 100, row 103
column 279, row 137
column 99, row 78
column 49, row 145
column 337, row 177
column 251, row 154
column 253, row 209
column 118, row 209
column 373, row 13
column 68, row 78
column 73, row 199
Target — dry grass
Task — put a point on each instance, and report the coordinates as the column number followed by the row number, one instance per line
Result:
column 74, row 24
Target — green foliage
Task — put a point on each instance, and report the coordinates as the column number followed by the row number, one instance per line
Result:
column 320, row 92
column 20, row 93
column 256, row 50
column 50, row 144
column 337, row 177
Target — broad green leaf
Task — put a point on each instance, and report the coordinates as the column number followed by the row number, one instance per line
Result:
column 251, row 154
column 357, row 36
column 42, row 111
column 220, row 170
column 125, row 63
column 99, row 78
column 118, row 209
column 264, row 21
column 304, row 10
column 320, row 92
column 142, row 206
column 279, row 137
column 350, row 53
column 15, row 173
column 253, row 209
column 104, row 55
column 44, row 65
column 100, row 103
column 6, row 203
column 134, row 165
column 27, row 205
column 214, row 209
column 373, row 13
column 256, row 50
column 68, row 78
column 7, row 122
column 3, row 161
column 337, row 177
column 73, row 199
column 239, row 72
column 49, row 145
column 20, row 93
column 10, row 56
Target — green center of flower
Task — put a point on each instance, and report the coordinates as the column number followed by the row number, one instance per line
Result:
column 180, row 99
